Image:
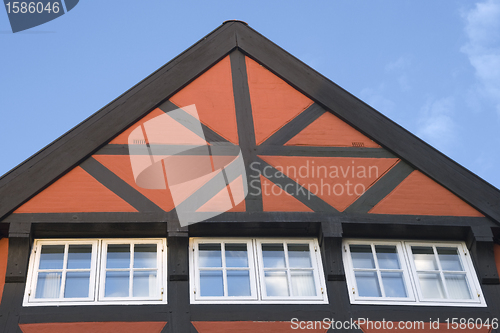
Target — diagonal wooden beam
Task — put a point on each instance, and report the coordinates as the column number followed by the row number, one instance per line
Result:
column 295, row 126
column 381, row 188
column 210, row 135
column 301, row 193
column 119, row 186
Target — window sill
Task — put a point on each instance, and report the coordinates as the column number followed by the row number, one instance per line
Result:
column 138, row 302
column 413, row 303
column 260, row 302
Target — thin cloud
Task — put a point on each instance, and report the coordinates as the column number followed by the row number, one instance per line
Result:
column 483, row 48
column 399, row 67
column 399, row 64
column 436, row 124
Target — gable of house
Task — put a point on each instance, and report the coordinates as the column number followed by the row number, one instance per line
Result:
column 317, row 171
column 308, row 159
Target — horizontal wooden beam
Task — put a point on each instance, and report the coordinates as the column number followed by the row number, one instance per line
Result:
column 263, row 217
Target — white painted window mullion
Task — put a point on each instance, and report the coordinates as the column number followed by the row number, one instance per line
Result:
column 224, row 270
column 377, row 269
column 288, row 269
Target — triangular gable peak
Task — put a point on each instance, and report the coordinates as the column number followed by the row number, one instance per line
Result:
column 307, row 158
column 301, row 152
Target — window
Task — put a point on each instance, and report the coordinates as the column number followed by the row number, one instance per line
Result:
column 242, row 270
column 413, row 273
column 103, row 271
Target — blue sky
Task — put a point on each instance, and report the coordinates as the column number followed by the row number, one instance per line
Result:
column 431, row 66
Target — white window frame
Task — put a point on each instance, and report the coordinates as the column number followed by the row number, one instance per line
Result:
column 350, row 272
column 257, row 285
column 97, row 276
column 315, row 263
column 32, row 275
column 223, row 242
column 414, row 292
column 159, row 279
column 473, row 282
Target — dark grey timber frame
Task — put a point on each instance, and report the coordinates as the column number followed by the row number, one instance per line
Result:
column 92, row 136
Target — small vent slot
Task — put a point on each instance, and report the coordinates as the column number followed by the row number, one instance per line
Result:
column 358, row 144
column 139, row 142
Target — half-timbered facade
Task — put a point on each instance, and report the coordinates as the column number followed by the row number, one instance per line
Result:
column 336, row 215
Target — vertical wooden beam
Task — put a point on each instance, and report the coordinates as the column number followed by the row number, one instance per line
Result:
column 331, row 250
column 19, row 252
column 331, row 253
column 481, row 247
column 15, row 280
column 246, row 131
column 178, row 283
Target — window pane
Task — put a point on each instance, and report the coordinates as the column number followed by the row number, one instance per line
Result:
column 457, row 286
column 367, row 283
column 144, row 284
column 145, row 255
column 449, row 259
column 238, row 283
column 236, row 255
column 79, row 256
column 362, row 256
column 48, row 285
column 52, row 257
column 431, row 285
column 276, row 283
column 303, row 283
column 273, row 255
column 424, row 258
column 299, row 256
column 394, row 285
column 117, row 284
column 77, row 284
column 211, row 283
column 118, row 256
column 387, row 256
column 210, row 255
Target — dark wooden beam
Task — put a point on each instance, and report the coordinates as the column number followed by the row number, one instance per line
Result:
column 210, row 135
column 118, row 186
column 178, row 266
column 117, row 149
column 246, row 131
column 99, row 230
column 93, row 313
column 331, row 250
column 255, row 229
column 360, row 152
column 178, row 284
column 263, row 217
column 381, row 188
column 289, row 185
column 481, row 246
column 19, row 252
column 295, row 126
column 104, row 217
